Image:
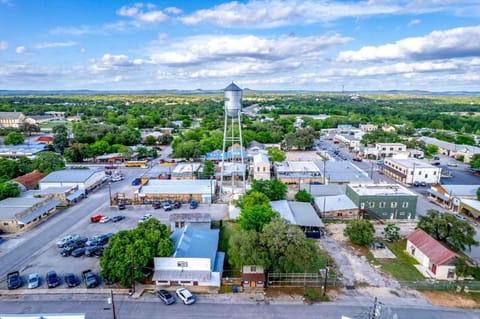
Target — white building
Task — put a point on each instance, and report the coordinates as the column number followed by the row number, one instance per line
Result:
column 261, row 167
column 411, row 170
column 389, row 149
column 436, row 260
column 85, row 178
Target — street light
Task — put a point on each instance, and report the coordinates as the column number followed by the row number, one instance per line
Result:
column 110, row 192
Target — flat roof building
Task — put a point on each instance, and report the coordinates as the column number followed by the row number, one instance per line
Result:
column 201, row 190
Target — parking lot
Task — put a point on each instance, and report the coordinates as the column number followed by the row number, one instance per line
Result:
column 49, row 257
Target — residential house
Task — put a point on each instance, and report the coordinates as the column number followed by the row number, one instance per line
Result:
column 383, row 201
column 368, row 127
column 437, row 260
column 388, row 128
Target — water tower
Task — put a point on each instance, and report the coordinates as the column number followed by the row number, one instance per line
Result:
column 232, row 134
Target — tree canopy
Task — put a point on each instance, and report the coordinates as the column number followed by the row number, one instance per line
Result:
column 148, row 240
column 274, row 189
column 275, row 154
column 360, row 232
column 48, row 162
column 13, row 138
column 303, row 196
column 445, row 227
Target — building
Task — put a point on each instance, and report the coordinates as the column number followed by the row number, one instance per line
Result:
column 16, row 151
column 336, row 207
column 451, row 149
column 186, row 171
column 300, row 214
column 66, row 195
column 450, row 196
column 342, row 172
column 29, row 181
column 195, row 263
column 201, row 190
column 368, row 127
column 261, row 167
column 298, row 172
column 436, row 260
column 85, row 179
column 253, row 277
column 408, row 171
column 470, row 208
column 324, row 190
column 45, row 139
column 19, row 214
column 388, row 128
column 13, row 119
column 383, row 201
column 389, row 149
column 194, row 220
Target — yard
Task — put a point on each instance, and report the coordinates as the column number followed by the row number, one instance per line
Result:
column 402, row 266
column 228, row 228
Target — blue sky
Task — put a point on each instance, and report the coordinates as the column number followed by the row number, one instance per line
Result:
column 272, row 44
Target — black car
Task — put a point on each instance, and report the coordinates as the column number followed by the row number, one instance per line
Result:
column 78, row 252
column 92, row 251
column 166, row 297
column 176, row 204
column 52, row 279
column 156, row 205
column 71, row 280
column 67, row 251
column 117, row 218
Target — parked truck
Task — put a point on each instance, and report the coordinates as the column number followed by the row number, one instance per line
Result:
column 89, row 279
column 14, row 280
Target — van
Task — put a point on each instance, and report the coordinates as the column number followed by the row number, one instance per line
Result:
column 96, row 218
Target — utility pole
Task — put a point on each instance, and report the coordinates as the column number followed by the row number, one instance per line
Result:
column 114, row 315
column 373, row 315
column 132, row 270
column 326, row 278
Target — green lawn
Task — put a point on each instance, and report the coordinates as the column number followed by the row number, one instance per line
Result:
column 401, row 267
column 226, row 231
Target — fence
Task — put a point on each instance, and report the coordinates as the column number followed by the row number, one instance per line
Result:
column 301, row 280
column 444, row 285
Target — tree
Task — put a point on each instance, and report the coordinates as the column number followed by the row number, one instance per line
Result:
column 13, row 138
column 475, row 162
column 60, row 137
column 275, row 154
column 188, row 150
column 273, row 188
column 148, row 240
column 445, row 227
column 256, row 216
column 208, row 169
column 251, row 198
column 391, row 232
column 77, row 152
column 9, row 189
column 48, row 162
column 28, row 128
column 303, row 196
column 431, row 149
column 150, row 140
column 244, row 249
column 478, row 193
column 360, row 232
column 464, row 139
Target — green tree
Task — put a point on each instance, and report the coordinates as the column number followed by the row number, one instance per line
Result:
column 28, row 128
column 275, row 154
column 252, row 198
column 9, row 189
column 478, row 193
column 24, row 165
column 464, row 139
column 475, row 162
column 48, row 162
column 150, row 140
column 273, row 188
column 445, row 227
column 77, row 152
column 60, row 138
column 245, row 249
column 8, row 168
column 13, row 138
column 100, row 147
column 360, row 232
column 391, row 232
column 188, row 150
column 431, row 150
column 255, row 217
column 303, row 196
column 148, row 240
column 208, row 169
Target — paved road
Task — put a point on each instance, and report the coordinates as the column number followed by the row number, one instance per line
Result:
column 98, row 308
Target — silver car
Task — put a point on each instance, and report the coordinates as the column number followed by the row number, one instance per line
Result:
column 33, row 281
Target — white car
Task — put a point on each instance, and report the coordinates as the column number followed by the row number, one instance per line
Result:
column 452, row 164
column 186, row 296
column 145, row 217
column 33, row 281
column 105, row 219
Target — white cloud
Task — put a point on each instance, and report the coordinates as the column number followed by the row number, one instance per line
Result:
column 3, row 45
column 109, row 62
column 71, row 30
column 201, row 49
column 458, row 42
column 173, row 10
column 20, row 49
column 46, row 45
column 414, row 22
column 143, row 13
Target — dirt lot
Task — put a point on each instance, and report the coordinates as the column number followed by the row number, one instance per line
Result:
column 448, row 299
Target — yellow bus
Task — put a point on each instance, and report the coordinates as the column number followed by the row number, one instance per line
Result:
column 143, row 164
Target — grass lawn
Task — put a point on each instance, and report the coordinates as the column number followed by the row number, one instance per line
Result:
column 226, row 231
column 401, row 267
column 52, row 124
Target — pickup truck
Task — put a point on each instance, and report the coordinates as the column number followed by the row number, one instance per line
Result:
column 14, row 280
column 89, row 279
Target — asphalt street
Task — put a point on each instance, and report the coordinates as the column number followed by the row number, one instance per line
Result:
column 96, row 306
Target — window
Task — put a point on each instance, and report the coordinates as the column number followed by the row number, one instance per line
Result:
column 405, row 205
column 253, row 268
column 381, row 205
column 451, row 273
column 371, row 204
column 393, row 204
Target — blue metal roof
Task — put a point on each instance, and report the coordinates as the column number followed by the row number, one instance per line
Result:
column 76, row 194
column 217, row 155
column 232, row 87
column 196, row 243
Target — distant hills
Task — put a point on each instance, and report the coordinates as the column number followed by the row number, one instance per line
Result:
column 203, row 92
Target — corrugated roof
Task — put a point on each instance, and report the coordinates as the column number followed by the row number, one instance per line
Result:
column 331, row 203
column 324, row 190
column 196, row 243
column 297, row 213
column 38, row 212
column 70, row 175
column 12, row 206
column 435, row 251
column 185, row 187
column 232, row 87
column 29, row 180
column 475, row 204
column 461, row 190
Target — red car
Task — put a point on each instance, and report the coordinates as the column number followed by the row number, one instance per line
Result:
column 357, row 159
column 96, row 218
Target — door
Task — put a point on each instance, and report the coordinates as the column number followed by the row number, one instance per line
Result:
column 434, row 269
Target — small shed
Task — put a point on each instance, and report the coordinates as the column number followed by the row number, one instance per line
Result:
column 438, row 260
column 253, row 276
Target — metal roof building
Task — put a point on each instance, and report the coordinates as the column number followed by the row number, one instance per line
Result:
column 300, row 214
column 343, row 172
column 86, row 179
column 201, row 190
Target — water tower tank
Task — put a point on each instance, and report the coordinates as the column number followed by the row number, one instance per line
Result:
column 233, row 100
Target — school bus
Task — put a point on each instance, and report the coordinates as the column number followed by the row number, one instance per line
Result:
column 143, row 164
